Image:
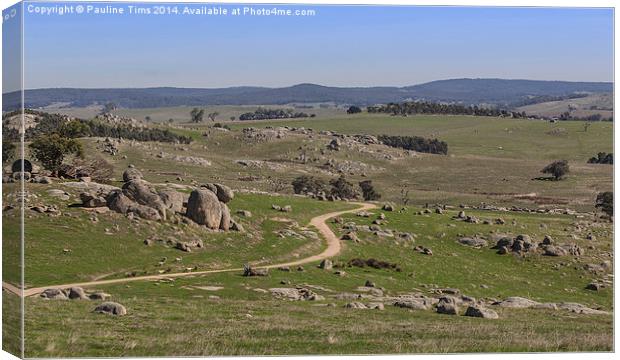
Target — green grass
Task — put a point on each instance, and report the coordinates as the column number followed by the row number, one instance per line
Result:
column 97, row 255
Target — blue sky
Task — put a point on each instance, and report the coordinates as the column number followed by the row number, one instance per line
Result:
column 339, row 46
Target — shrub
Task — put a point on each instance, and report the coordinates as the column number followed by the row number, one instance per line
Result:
column 343, row 189
column 354, row 110
column 605, row 202
column 50, row 150
column 602, row 158
column 558, row 169
column 8, row 150
column 308, row 184
column 368, row 191
column 415, row 143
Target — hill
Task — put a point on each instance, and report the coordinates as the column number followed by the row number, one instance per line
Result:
column 467, row 91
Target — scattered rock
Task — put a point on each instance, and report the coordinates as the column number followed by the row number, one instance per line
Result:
column 478, row 311
column 111, row 308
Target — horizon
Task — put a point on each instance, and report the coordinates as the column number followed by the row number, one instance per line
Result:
column 340, row 46
column 296, row 84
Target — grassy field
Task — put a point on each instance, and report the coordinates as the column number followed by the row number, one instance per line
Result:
column 493, row 161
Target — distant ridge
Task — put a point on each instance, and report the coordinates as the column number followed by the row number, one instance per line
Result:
column 501, row 92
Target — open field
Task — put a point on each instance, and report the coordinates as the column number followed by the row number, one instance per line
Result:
column 490, row 161
column 580, row 107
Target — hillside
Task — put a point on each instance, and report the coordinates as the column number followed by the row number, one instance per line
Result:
column 468, row 91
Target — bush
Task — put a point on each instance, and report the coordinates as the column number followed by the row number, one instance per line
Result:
column 415, row 143
column 602, row 158
column 605, row 202
column 343, row 189
column 50, row 150
column 265, row 114
column 308, row 184
column 354, row 110
column 368, row 191
column 558, row 169
column 8, row 150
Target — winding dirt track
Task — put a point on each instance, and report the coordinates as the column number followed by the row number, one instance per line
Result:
column 333, row 248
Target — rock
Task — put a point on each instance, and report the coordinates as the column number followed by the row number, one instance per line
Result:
column 140, row 192
column 548, row 240
column 111, row 308
column 92, row 201
column 475, row 242
column 413, row 304
column 551, row 250
column 502, row 250
column 478, row 311
column 172, row 200
column 182, row 246
column 76, row 293
column 42, row 180
column 225, row 221
column 55, row 294
column 355, row 305
column 204, row 208
column 249, row 271
column 376, row 306
column 326, row 264
column 302, row 294
column 517, row 303
column 99, row 296
column 461, row 215
column 334, row 145
column 580, row 309
column 447, row 307
column 235, row 226
column 439, row 211
column 132, row 174
column 388, row 207
column 223, row 192
column 594, row 286
column 500, row 221
column 350, row 236
column 370, row 284
column 505, row 241
column 244, row 213
column 276, row 207
column 287, row 208
column 118, row 202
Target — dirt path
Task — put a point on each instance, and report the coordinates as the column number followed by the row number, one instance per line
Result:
column 333, row 248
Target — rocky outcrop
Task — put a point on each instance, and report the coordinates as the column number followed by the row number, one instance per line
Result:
column 204, row 208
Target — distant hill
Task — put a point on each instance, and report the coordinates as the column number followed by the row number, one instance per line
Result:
column 465, row 91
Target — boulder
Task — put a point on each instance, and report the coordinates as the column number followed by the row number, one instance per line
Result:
column 551, row 250
column 447, row 307
column 235, row 226
column 111, row 308
column 517, row 302
column 118, row 202
column 244, row 213
column 225, row 221
column 414, row 304
column 76, row 293
column 326, row 264
column 475, row 242
column 481, row 312
column 388, row 207
column 224, row 193
column 203, row 207
column 172, row 200
column 141, row 193
column 54, row 293
column 132, row 174
column 90, row 200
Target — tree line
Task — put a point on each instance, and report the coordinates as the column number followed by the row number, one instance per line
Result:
column 422, row 107
column 415, row 143
column 266, row 114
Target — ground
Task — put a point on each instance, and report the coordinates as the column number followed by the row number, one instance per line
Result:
column 490, row 160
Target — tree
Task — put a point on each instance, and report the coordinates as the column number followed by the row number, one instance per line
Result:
column 354, row 110
column 8, row 150
column 368, row 191
column 343, row 189
column 308, row 184
column 232, row 118
column 212, row 116
column 197, row 115
column 51, row 149
column 147, row 118
column 558, row 169
column 75, row 129
column 605, row 201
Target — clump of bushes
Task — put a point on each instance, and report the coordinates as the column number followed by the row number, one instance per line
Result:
column 265, row 114
column 605, row 202
column 415, row 143
column 308, row 184
column 602, row 158
column 557, row 169
column 373, row 263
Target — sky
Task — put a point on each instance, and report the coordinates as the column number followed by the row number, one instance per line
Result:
column 338, row 46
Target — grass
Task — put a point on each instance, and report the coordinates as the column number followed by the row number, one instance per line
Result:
column 96, row 253
column 494, row 161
